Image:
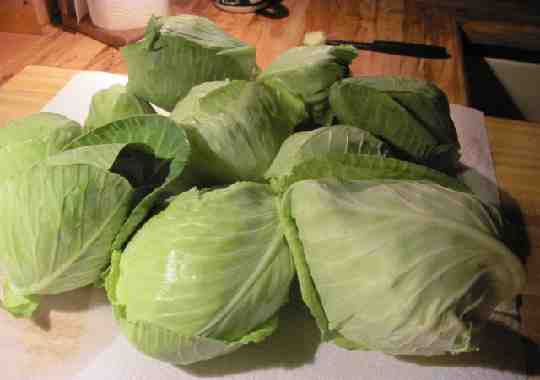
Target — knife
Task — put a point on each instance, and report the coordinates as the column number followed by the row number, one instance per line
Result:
column 397, row 48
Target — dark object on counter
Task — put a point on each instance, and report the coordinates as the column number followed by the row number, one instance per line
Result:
column 267, row 8
column 398, row 48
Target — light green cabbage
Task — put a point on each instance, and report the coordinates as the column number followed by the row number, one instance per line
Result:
column 112, row 104
column 347, row 153
column 410, row 114
column 309, row 71
column 35, row 126
column 236, row 128
column 205, row 276
column 321, row 142
column 31, row 139
column 399, row 267
column 179, row 52
column 362, row 167
column 154, row 163
column 70, row 199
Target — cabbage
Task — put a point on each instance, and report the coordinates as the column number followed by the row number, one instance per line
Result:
column 179, row 52
column 395, row 266
column 236, row 128
column 157, row 155
column 309, row 71
column 31, row 139
column 344, row 152
column 306, row 145
column 72, row 197
column 410, row 114
column 205, row 276
column 36, row 126
column 361, row 167
column 114, row 103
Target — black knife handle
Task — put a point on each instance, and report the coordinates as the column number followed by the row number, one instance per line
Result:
column 398, row 48
column 412, row 49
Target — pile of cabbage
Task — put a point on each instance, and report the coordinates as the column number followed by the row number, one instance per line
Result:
column 196, row 223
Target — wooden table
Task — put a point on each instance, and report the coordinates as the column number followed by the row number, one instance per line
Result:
column 361, row 20
column 515, row 145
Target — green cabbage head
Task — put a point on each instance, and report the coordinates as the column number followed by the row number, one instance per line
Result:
column 205, row 276
column 236, row 128
column 309, row 72
column 66, row 197
column 345, row 152
column 410, row 114
column 406, row 268
column 114, row 103
column 179, row 52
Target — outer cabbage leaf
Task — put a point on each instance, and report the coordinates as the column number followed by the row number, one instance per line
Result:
column 18, row 305
column 29, row 140
column 100, row 156
column 57, row 226
column 205, row 276
column 399, row 267
column 410, row 114
column 169, row 346
column 309, row 72
column 193, row 104
column 161, row 178
column 179, row 52
column 19, row 157
column 236, row 128
column 351, row 166
column 34, row 126
column 338, row 139
column 112, row 104
column 63, row 212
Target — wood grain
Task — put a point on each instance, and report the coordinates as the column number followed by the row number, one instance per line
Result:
column 516, row 156
column 12, row 42
column 55, row 48
column 42, row 9
column 365, row 20
column 18, row 16
column 29, row 91
column 516, row 11
column 520, row 36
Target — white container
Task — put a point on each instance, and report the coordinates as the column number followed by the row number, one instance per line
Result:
column 125, row 14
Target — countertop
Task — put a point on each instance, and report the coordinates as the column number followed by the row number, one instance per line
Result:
column 361, row 20
column 515, row 145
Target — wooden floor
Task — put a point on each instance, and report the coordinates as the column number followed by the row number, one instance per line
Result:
column 365, row 20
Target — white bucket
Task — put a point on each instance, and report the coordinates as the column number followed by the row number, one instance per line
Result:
column 125, row 14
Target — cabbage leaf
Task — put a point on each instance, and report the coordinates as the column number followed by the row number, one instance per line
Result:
column 179, row 52
column 236, row 128
column 406, row 268
column 112, row 104
column 205, row 276
column 410, row 114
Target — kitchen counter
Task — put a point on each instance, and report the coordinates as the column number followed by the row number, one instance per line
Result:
column 366, row 20
column 514, row 144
